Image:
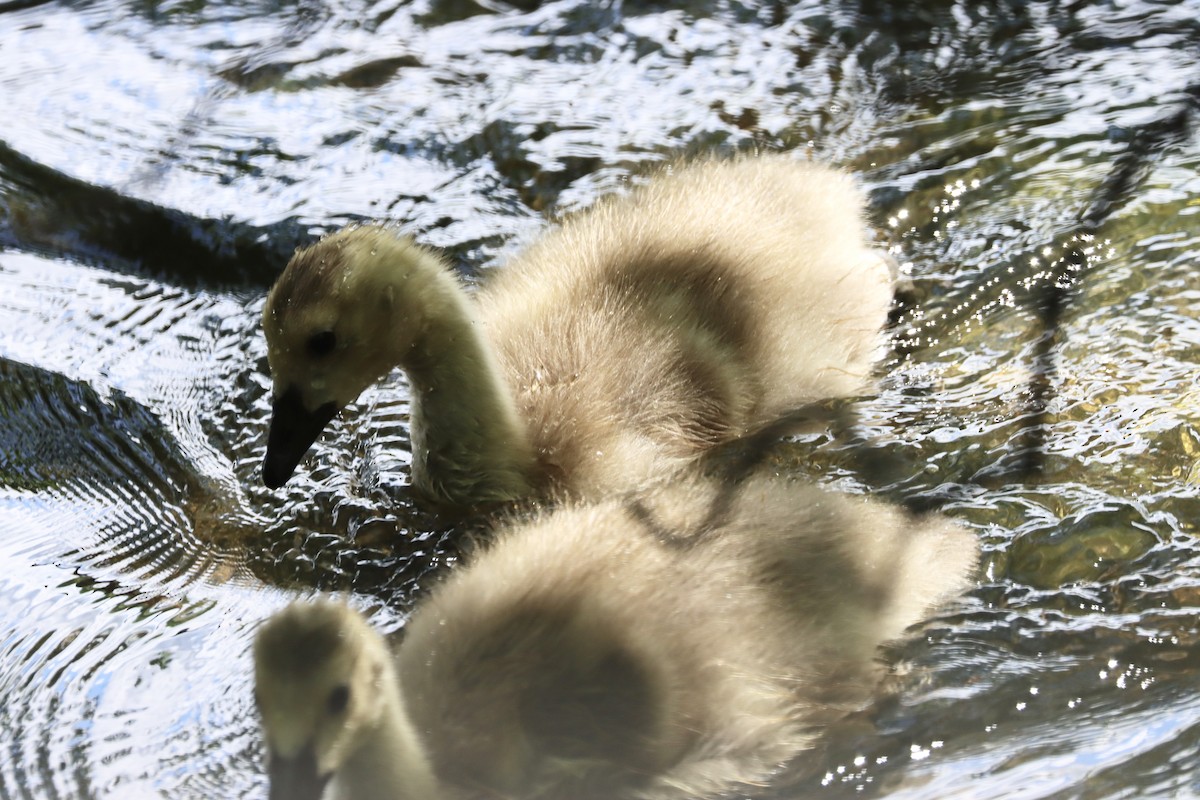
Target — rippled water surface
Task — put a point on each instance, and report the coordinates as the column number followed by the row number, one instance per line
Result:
column 159, row 161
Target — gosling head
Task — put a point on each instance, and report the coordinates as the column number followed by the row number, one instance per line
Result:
column 344, row 312
column 319, row 671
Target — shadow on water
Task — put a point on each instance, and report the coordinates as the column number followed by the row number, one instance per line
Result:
column 1047, row 296
column 112, row 465
column 46, row 211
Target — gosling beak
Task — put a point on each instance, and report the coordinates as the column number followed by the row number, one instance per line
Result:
column 295, row 778
column 293, row 430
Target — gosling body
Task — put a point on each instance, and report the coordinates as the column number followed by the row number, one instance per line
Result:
column 680, row 643
column 614, row 349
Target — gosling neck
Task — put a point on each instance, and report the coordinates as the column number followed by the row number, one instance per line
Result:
column 389, row 763
column 469, row 445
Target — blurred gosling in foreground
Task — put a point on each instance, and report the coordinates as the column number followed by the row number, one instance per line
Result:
column 675, row 644
column 614, row 349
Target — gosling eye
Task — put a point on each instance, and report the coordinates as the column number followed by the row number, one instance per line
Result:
column 339, row 698
column 321, row 344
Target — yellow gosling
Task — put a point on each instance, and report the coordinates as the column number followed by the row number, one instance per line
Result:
column 678, row 643
column 616, row 348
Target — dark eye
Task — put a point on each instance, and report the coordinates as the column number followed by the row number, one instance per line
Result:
column 321, row 344
column 339, row 698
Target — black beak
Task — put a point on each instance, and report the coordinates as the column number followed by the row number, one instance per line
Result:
column 295, row 778
column 293, row 430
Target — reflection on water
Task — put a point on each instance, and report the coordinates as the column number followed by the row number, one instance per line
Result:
column 159, row 162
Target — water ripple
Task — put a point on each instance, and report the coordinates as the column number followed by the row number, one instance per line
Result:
column 140, row 547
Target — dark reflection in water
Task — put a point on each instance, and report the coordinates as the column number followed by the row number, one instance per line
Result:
column 159, row 162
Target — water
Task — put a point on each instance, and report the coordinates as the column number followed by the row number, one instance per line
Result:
column 158, row 162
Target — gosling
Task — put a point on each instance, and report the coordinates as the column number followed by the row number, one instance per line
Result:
column 615, row 349
column 678, row 643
